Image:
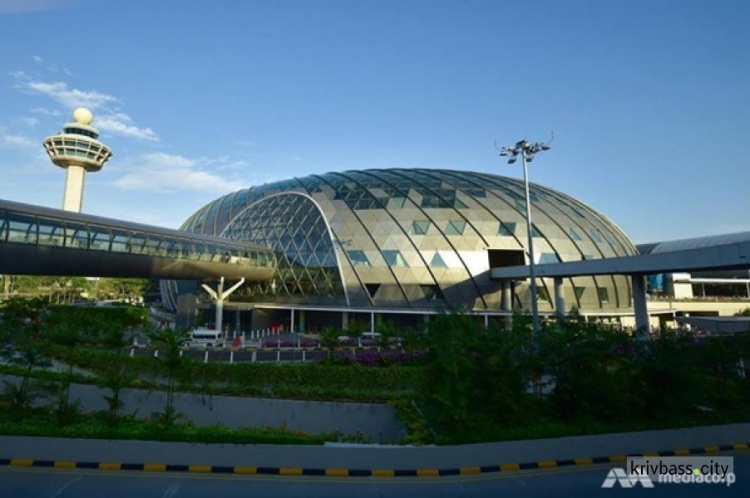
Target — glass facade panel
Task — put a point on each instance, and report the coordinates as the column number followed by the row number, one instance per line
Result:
column 99, row 237
column 138, row 243
column 21, row 228
column 455, row 227
column 420, row 227
column 507, row 229
column 358, row 258
column 395, row 259
column 51, row 232
column 3, row 226
column 437, row 261
column 120, row 241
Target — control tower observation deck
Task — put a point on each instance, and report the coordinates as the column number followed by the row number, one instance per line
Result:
column 78, row 150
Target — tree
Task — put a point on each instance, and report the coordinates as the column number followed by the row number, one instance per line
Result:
column 329, row 339
column 117, row 373
column 22, row 347
column 169, row 341
column 355, row 331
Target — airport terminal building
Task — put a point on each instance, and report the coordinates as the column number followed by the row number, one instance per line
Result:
column 405, row 243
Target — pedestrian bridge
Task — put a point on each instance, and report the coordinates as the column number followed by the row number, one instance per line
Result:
column 35, row 240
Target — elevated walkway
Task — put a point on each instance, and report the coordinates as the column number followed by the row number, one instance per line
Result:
column 35, row 240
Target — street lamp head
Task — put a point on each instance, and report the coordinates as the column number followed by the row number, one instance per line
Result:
column 512, row 160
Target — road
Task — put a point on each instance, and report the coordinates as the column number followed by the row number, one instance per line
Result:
column 561, row 482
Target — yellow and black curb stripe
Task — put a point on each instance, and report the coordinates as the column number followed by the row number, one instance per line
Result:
column 301, row 471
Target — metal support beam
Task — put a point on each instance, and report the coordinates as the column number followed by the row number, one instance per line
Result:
column 642, row 325
column 559, row 301
column 219, row 295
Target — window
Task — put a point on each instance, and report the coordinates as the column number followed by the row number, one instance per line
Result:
column 3, row 226
column 420, row 227
column 172, row 248
column 138, row 243
column 455, row 227
column 358, row 258
column 535, row 232
column 507, row 229
column 395, row 259
column 21, row 228
column 595, row 235
column 99, row 237
column 51, row 232
column 548, row 257
column 437, row 261
column 579, row 291
column 603, row 295
column 520, row 205
column 573, row 234
column 120, row 241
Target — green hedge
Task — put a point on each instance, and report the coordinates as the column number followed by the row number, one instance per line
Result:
column 296, row 380
column 42, row 424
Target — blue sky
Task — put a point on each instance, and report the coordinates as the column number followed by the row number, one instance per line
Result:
column 649, row 99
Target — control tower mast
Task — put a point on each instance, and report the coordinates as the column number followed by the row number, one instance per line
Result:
column 77, row 150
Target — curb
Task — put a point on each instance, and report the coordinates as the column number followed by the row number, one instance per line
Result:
column 298, row 471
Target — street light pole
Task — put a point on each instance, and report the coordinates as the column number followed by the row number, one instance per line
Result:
column 527, row 151
column 530, row 238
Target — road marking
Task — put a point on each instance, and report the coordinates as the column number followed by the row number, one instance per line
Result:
column 64, row 487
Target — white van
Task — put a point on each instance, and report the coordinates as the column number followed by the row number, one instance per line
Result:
column 205, row 338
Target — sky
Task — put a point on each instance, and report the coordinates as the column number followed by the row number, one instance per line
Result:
column 649, row 100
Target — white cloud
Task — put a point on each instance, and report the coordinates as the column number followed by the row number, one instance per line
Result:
column 18, row 141
column 161, row 172
column 70, row 97
column 49, row 66
column 117, row 123
column 121, row 124
column 45, row 112
column 28, row 121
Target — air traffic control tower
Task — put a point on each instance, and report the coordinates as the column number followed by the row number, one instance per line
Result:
column 77, row 150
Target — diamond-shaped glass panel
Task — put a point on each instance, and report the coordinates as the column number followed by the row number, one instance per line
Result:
column 507, row 228
column 455, row 227
column 420, row 227
column 395, row 259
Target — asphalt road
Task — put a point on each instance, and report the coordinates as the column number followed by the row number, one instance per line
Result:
column 561, row 482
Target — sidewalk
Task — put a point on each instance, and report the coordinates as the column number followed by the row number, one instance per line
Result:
column 439, row 460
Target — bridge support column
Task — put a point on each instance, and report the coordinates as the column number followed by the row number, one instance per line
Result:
column 219, row 295
column 559, row 302
column 642, row 328
column 505, row 300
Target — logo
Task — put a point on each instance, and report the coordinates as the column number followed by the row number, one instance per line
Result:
column 619, row 476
